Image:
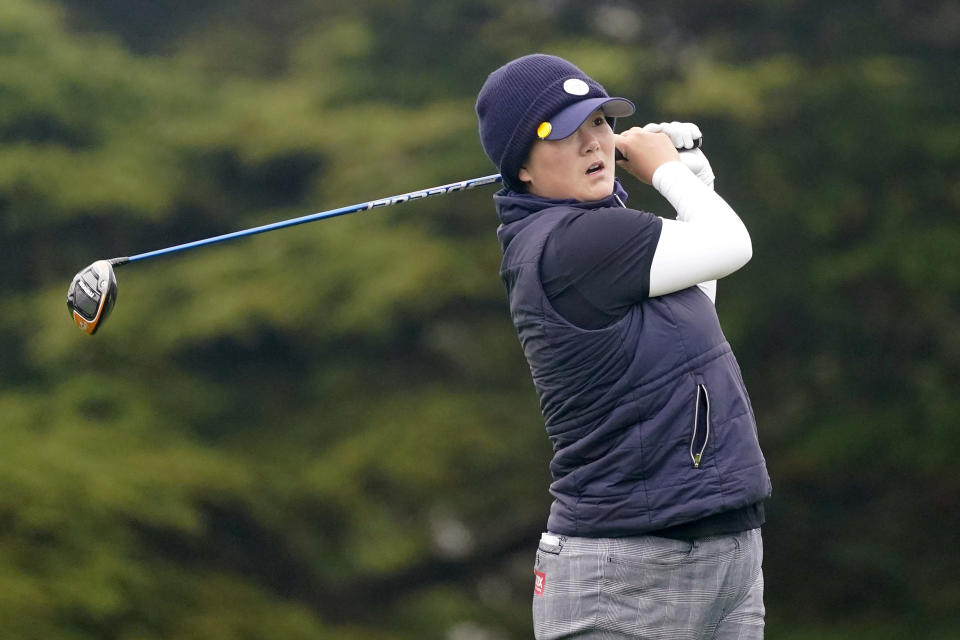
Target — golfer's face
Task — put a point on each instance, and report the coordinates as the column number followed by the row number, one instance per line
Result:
column 581, row 166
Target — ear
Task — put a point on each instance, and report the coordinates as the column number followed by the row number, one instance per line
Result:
column 525, row 176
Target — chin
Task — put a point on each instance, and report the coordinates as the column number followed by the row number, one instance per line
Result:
column 598, row 192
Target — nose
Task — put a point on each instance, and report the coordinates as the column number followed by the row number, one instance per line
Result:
column 591, row 143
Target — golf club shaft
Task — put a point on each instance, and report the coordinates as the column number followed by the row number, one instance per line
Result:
column 373, row 204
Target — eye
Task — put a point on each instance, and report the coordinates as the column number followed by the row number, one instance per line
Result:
column 599, row 120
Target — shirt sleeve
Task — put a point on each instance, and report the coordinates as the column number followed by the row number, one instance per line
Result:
column 707, row 241
column 596, row 265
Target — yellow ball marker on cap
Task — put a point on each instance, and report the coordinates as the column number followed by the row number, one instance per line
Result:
column 544, row 130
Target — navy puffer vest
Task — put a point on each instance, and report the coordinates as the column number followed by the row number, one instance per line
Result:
column 649, row 418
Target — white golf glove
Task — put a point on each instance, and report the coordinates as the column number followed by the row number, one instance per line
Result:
column 682, row 135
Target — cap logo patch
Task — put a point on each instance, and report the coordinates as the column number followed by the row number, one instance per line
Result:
column 544, row 130
column 576, row 87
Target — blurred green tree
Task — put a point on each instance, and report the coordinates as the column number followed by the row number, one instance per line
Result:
column 330, row 432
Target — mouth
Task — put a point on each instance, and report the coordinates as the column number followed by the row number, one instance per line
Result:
column 595, row 168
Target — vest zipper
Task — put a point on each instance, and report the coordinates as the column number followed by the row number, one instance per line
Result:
column 619, row 201
column 698, row 457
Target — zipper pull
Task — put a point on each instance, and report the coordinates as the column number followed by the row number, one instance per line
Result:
column 698, row 457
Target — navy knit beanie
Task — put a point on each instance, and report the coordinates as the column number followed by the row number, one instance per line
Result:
column 537, row 96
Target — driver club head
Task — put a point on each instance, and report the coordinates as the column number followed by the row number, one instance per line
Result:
column 91, row 296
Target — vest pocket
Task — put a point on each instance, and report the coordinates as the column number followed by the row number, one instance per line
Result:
column 701, row 426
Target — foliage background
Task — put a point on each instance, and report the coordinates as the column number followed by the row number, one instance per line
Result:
column 329, row 432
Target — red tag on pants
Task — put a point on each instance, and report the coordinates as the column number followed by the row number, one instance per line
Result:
column 539, row 583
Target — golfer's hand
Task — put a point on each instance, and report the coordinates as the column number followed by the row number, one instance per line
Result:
column 643, row 152
column 683, row 135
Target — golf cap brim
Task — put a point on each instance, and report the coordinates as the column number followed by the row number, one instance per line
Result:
column 568, row 120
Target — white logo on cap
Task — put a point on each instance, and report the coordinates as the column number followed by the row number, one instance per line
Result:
column 576, row 87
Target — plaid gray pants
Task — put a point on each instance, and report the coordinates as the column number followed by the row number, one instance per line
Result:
column 649, row 588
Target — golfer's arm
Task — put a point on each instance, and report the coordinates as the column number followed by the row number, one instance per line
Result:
column 706, row 242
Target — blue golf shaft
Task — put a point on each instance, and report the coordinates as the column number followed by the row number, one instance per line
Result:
column 322, row 215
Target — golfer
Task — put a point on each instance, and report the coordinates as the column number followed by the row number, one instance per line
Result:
column 658, row 477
